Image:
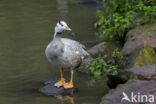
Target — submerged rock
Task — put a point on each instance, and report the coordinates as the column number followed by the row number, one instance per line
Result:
column 141, row 56
column 137, row 87
column 117, row 78
column 138, row 36
column 50, row 89
column 91, row 3
column 100, row 50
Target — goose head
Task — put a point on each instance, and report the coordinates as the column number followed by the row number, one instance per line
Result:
column 60, row 27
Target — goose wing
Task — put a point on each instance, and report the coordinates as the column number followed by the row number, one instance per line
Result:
column 74, row 46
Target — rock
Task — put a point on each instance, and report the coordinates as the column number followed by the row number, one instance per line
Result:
column 137, row 87
column 50, row 89
column 141, row 56
column 141, row 73
column 138, row 36
column 90, row 3
column 100, row 50
column 144, row 72
column 117, row 78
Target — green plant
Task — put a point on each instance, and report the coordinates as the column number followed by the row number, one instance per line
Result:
column 98, row 67
column 118, row 59
column 117, row 16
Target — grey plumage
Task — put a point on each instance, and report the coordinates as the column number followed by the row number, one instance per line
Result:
column 66, row 53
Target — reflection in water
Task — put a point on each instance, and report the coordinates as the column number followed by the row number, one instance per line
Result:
column 66, row 98
column 62, row 8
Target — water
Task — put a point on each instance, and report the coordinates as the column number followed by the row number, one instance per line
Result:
column 26, row 27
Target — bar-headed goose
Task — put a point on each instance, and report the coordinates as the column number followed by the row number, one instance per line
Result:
column 65, row 53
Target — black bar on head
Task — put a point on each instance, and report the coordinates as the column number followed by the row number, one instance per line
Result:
column 60, row 23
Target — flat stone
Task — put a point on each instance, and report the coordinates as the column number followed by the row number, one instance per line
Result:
column 142, row 87
column 144, row 72
column 50, row 89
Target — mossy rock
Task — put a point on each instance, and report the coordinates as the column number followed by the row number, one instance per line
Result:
column 143, row 55
column 141, row 32
column 138, row 36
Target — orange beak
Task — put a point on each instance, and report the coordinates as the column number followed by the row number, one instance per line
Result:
column 68, row 29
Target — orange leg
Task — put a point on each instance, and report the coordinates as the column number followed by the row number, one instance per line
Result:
column 61, row 82
column 69, row 84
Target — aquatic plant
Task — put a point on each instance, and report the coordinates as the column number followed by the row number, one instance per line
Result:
column 118, row 59
column 98, row 67
column 118, row 16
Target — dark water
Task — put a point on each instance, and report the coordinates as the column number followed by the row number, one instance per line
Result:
column 26, row 27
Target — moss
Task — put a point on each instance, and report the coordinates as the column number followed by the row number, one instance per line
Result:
column 142, row 31
column 143, row 55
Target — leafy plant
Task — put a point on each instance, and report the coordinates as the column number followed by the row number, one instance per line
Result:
column 118, row 59
column 98, row 67
column 117, row 16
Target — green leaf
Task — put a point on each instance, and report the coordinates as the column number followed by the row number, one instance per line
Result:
column 97, row 73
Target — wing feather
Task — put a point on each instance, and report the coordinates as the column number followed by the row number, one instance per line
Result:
column 75, row 46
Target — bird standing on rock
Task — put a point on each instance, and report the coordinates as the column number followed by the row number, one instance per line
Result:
column 65, row 53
